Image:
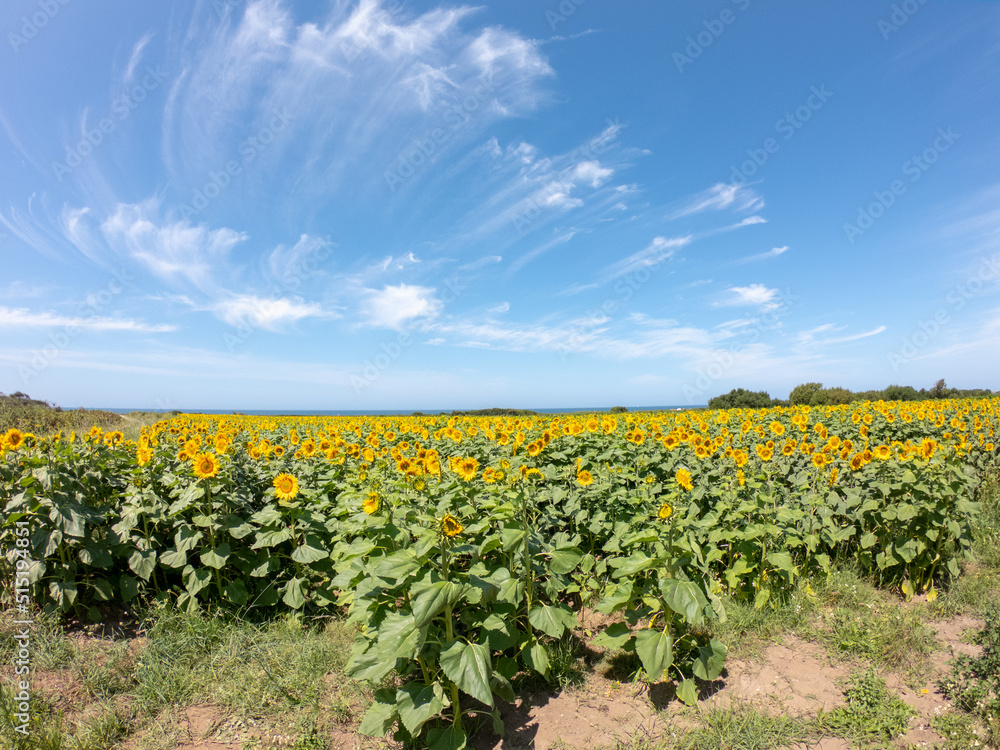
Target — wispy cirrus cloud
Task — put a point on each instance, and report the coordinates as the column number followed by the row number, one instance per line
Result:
column 756, row 295
column 721, row 196
column 24, row 318
column 772, row 253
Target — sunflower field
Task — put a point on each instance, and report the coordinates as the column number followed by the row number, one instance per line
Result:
column 465, row 547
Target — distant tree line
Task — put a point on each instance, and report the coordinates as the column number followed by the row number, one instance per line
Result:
column 814, row 394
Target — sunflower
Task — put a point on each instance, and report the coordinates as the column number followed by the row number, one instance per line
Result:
column 741, row 458
column 819, row 460
column 371, row 503
column 883, row 453
column 665, row 511
column 143, row 456
column 927, row 448
column 534, row 448
column 450, row 525
column 857, row 461
column 279, row 450
column 764, row 452
column 777, row 428
column 585, row 478
column 13, row 439
column 683, row 477
column 206, row 465
column 466, row 469
column 286, row 486
column 788, row 448
column 308, row 448
column 741, row 477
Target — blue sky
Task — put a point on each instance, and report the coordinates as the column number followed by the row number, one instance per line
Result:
column 408, row 205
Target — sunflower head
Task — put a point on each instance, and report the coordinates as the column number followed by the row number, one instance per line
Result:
column 683, row 478
column 286, row 486
column 585, row 478
column 665, row 511
column 451, row 526
column 206, row 465
column 371, row 503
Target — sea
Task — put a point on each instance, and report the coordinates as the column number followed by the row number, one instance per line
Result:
column 388, row 412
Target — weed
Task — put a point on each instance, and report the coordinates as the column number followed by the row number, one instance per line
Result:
column 872, row 713
column 974, row 684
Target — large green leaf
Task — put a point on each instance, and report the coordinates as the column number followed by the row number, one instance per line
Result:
column 468, row 666
column 380, row 716
column 711, row 661
column 174, row 558
column 614, row 636
column 565, row 560
column 656, row 650
column 449, row 738
column 295, row 593
column 429, row 600
column 417, row 703
column 216, row 558
column 684, row 598
column 308, row 553
column 367, row 665
column 551, row 620
column 687, row 692
column 143, row 563
column 399, row 637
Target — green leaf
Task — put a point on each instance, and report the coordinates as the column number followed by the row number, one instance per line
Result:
column 216, row 558
column 684, row 598
column 782, row 561
column 380, row 716
column 565, row 560
column 307, row 553
column 130, row 587
column 616, row 596
column 174, row 558
column 295, row 593
column 398, row 565
column 399, row 637
column 551, row 620
column 537, row 658
column 417, row 703
column 186, row 538
column 468, row 666
column 103, row 589
column 449, row 738
column 710, row 662
column 687, row 692
column 366, row 665
column 497, row 633
column 655, row 649
column 614, row 636
column 429, row 600
column 236, row 592
column 196, row 580
column 143, row 563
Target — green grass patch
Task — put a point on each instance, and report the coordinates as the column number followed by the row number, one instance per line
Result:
column 872, row 713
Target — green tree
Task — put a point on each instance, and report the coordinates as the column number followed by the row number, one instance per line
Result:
column 740, row 398
column 804, row 394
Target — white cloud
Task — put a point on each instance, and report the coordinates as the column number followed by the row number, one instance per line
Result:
column 22, row 318
column 657, row 251
column 811, row 336
column 395, row 306
column 592, row 173
column 719, row 197
column 501, row 308
column 754, row 294
column 772, row 253
column 268, row 313
column 290, row 266
column 174, row 251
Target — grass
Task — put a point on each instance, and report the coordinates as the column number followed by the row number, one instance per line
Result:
column 282, row 673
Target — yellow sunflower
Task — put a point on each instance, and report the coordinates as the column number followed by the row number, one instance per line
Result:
column 450, row 525
column 585, row 478
column 206, row 465
column 665, row 511
column 14, row 439
column 286, row 486
column 883, row 453
column 371, row 503
column 683, row 477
